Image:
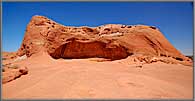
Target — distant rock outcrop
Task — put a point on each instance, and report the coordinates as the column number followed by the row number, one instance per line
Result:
column 111, row 41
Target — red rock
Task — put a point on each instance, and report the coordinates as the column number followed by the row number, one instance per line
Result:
column 112, row 41
column 23, row 70
column 13, row 73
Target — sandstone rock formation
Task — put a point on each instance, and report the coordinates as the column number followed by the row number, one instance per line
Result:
column 111, row 41
column 12, row 72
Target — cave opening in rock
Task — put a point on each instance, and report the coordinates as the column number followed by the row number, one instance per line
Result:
column 78, row 50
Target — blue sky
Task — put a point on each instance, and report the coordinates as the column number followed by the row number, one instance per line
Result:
column 174, row 19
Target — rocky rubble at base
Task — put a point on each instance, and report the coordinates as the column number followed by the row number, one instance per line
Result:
column 140, row 60
column 11, row 72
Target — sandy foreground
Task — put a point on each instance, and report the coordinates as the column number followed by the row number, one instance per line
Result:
column 87, row 78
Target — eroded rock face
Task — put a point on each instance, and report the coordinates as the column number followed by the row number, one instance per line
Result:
column 77, row 49
column 112, row 41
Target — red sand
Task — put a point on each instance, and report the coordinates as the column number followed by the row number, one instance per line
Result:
column 85, row 78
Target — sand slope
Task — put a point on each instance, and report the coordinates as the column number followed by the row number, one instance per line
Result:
column 84, row 78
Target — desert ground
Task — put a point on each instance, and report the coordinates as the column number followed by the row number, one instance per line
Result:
column 50, row 78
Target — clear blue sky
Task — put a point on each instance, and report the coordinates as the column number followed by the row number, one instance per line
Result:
column 174, row 19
